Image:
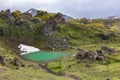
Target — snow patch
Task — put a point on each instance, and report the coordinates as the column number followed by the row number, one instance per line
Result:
column 27, row 49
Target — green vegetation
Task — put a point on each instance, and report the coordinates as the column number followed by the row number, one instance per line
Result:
column 87, row 70
column 43, row 16
column 91, row 32
column 16, row 14
column 17, row 27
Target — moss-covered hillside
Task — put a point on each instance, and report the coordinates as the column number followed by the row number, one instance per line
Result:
column 54, row 30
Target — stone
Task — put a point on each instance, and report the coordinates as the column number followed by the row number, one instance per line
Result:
column 1, row 32
column 16, row 62
column 51, row 25
column 8, row 17
column 100, row 52
column 2, row 60
column 90, row 55
column 100, row 58
column 34, row 20
column 108, row 50
column 19, row 22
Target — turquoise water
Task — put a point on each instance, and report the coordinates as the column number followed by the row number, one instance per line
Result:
column 44, row 56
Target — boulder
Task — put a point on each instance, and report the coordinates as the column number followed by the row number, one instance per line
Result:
column 8, row 17
column 104, row 37
column 108, row 50
column 19, row 22
column 34, row 20
column 16, row 62
column 100, row 58
column 1, row 32
column 86, row 55
column 51, row 25
column 2, row 60
column 100, row 52
column 91, row 55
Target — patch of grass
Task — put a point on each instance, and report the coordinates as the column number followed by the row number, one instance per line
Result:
column 28, row 74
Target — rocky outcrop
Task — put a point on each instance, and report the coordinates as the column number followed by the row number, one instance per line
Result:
column 108, row 50
column 91, row 55
column 16, row 62
column 19, row 22
column 49, row 30
column 51, row 25
column 58, row 43
column 99, row 55
column 7, row 15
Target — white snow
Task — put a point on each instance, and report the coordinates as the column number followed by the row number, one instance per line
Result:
column 27, row 49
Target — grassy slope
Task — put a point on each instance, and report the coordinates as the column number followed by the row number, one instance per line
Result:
column 99, row 71
column 86, row 34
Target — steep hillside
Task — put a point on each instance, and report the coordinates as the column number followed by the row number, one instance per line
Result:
column 54, row 30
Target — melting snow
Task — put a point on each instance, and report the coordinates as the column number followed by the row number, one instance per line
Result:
column 27, row 49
